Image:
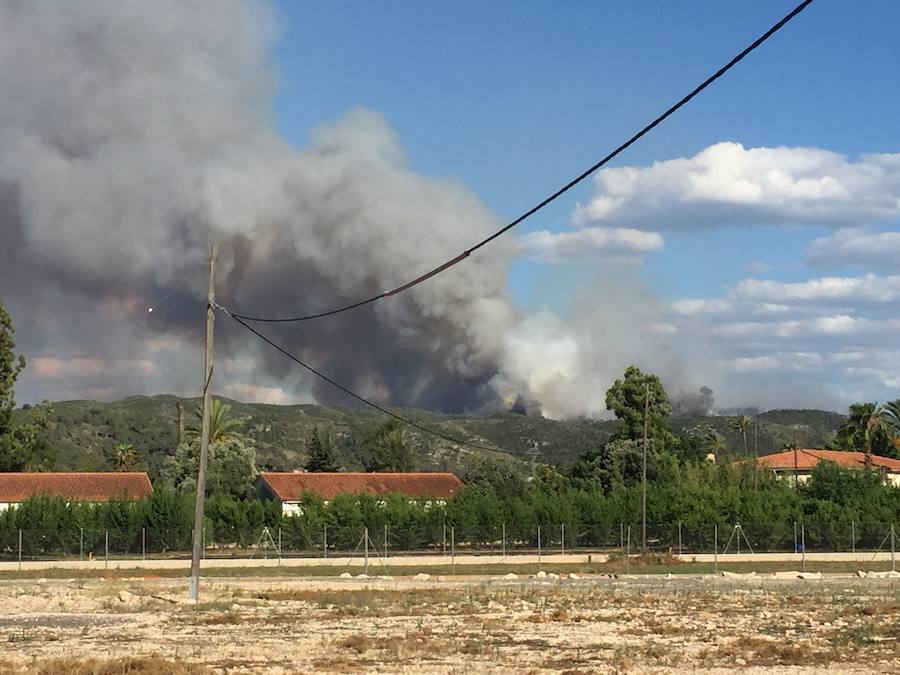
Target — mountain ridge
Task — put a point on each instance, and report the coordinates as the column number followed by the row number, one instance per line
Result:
column 83, row 432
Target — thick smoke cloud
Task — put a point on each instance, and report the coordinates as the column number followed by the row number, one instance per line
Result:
column 132, row 134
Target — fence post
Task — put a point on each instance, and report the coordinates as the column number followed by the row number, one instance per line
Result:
column 853, row 538
column 81, row 543
column 279, row 545
column 452, row 549
column 680, row 551
column 803, row 544
column 106, row 559
column 893, row 562
column 622, row 536
column 716, row 547
column 539, row 548
column 795, row 536
column 20, row 549
column 628, row 550
column 143, row 543
column 562, row 538
column 325, row 541
column 503, row 539
column 366, row 537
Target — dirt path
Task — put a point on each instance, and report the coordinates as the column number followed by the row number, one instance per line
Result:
column 451, row 625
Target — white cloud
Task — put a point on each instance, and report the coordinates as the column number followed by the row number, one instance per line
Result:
column 589, row 242
column 869, row 288
column 840, row 324
column 702, row 306
column 857, row 247
column 726, row 184
column 777, row 361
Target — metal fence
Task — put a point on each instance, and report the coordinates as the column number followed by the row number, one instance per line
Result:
column 299, row 539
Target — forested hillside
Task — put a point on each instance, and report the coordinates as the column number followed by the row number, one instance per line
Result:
column 82, row 434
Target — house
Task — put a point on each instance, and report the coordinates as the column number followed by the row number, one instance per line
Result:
column 287, row 487
column 783, row 463
column 74, row 486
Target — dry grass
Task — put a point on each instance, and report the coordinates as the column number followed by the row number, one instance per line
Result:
column 600, row 625
column 150, row 665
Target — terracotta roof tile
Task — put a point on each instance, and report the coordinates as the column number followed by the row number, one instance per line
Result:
column 289, row 486
column 75, row 486
column 807, row 458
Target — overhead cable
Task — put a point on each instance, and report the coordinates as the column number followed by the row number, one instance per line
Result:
column 561, row 191
column 349, row 392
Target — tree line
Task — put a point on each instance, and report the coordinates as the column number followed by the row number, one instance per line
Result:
column 496, row 501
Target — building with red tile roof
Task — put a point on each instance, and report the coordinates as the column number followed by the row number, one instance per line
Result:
column 74, row 486
column 805, row 459
column 288, row 487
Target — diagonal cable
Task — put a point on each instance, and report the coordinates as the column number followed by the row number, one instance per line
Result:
column 561, row 191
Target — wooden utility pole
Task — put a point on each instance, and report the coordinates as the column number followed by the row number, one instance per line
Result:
column 796, row 472
column 197, row 549
column 644, row 471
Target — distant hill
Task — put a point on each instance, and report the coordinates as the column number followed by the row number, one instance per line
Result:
column 84, row 431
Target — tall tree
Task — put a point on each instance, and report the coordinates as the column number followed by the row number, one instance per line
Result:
column 18, row 442
column 321, row 454
column 626, row 399
column 10, row 367
column 390, row 449
column 742, row 424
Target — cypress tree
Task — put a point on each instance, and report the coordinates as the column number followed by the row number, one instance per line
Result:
column 321, row 454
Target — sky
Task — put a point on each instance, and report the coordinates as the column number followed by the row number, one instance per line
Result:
column 513, row 99
column 749, row 244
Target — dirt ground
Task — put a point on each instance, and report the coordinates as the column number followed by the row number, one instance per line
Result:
column 451, row 625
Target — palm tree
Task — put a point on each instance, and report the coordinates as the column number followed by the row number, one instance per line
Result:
column 124, row 457
column 890, row 414
column 882, row 429
column 222, row 426
column 742, row 423
column 792, row 445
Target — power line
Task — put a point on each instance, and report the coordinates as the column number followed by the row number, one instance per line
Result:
column 351, row 393
column 561, row 191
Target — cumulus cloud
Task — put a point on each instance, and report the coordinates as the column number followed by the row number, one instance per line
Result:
column 590, row 242
column 857, row 247
column 727, row 184
column 868, row 288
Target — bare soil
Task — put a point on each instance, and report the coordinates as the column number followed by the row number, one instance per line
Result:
column 450, row 625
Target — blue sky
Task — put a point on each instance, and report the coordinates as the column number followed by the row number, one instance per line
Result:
column 515, row 98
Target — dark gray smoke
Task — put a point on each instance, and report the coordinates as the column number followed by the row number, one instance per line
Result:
column 699, row 404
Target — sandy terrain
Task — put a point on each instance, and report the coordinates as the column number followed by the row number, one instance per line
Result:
column 451, row 625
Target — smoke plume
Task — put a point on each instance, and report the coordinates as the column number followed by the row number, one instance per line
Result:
column 133, row 133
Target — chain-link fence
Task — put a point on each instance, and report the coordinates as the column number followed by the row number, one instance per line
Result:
column 297, row 538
